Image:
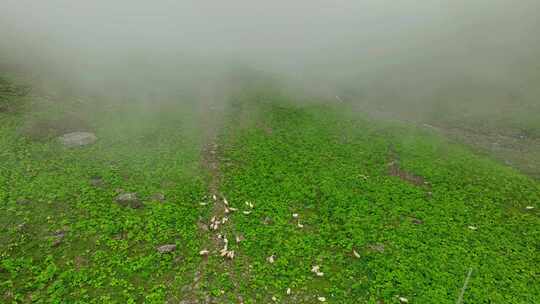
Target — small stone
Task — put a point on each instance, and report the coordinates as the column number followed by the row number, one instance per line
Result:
column 23, row 201
column 96, row 181
column 158, row 197
column 204, row 252
column 377, row 247
column 166, row 248
column 529, row 207
column 321, row 299
column 417, row 221
column 129, row 199
column 77, row 139
column 57, row 242
column 288, row 291
column 239, row 238
column 58, row 237
column 295, row 215
column 473, row 227
column 268, row 220
column 202, row 226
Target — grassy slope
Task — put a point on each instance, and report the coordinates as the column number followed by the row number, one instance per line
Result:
column 108, row 254
column 316, row 161
column 312, row 161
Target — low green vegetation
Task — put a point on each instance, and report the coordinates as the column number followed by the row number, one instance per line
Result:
column 376, row 237
column 344, row 209
column 65, row 239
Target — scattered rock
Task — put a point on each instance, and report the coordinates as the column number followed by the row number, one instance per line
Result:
column 166, row 248
column 77, row 139
column 80, row 261
column 377, row 248
column 129, row 199
column 158, row 197
column 202, row 226
column 239, row 238
column 268, row 221
column 58, row 237
column 529, row 208
column 96, row 181
column 416, row 221
column 23, row 201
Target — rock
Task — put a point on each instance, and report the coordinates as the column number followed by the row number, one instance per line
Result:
column 96, row 181
column 77, row 139
column 129, row 199
column 57, row 242
column 416, row 221
column 202, row 226
column 376, row 248
column 58, row 237
column 23, row 201
column 158, row 197
column 166, row 248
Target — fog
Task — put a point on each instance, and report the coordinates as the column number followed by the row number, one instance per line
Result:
column 362, row 50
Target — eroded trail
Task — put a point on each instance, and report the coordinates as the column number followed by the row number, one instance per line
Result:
column 217, row 257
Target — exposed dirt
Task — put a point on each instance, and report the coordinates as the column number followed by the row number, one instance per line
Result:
column 518, row 150
column 394, row 169
column 212, row 113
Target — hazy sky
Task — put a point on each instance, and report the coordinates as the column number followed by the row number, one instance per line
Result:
column 338, row 38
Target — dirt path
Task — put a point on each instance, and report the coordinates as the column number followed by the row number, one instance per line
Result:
column 212, row 229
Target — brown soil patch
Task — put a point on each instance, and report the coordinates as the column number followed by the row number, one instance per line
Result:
column 212, row 112
column 394, row 169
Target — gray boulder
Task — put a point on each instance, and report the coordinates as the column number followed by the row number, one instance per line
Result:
column 77, row 139
column 166, row 248
column 129, row 199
